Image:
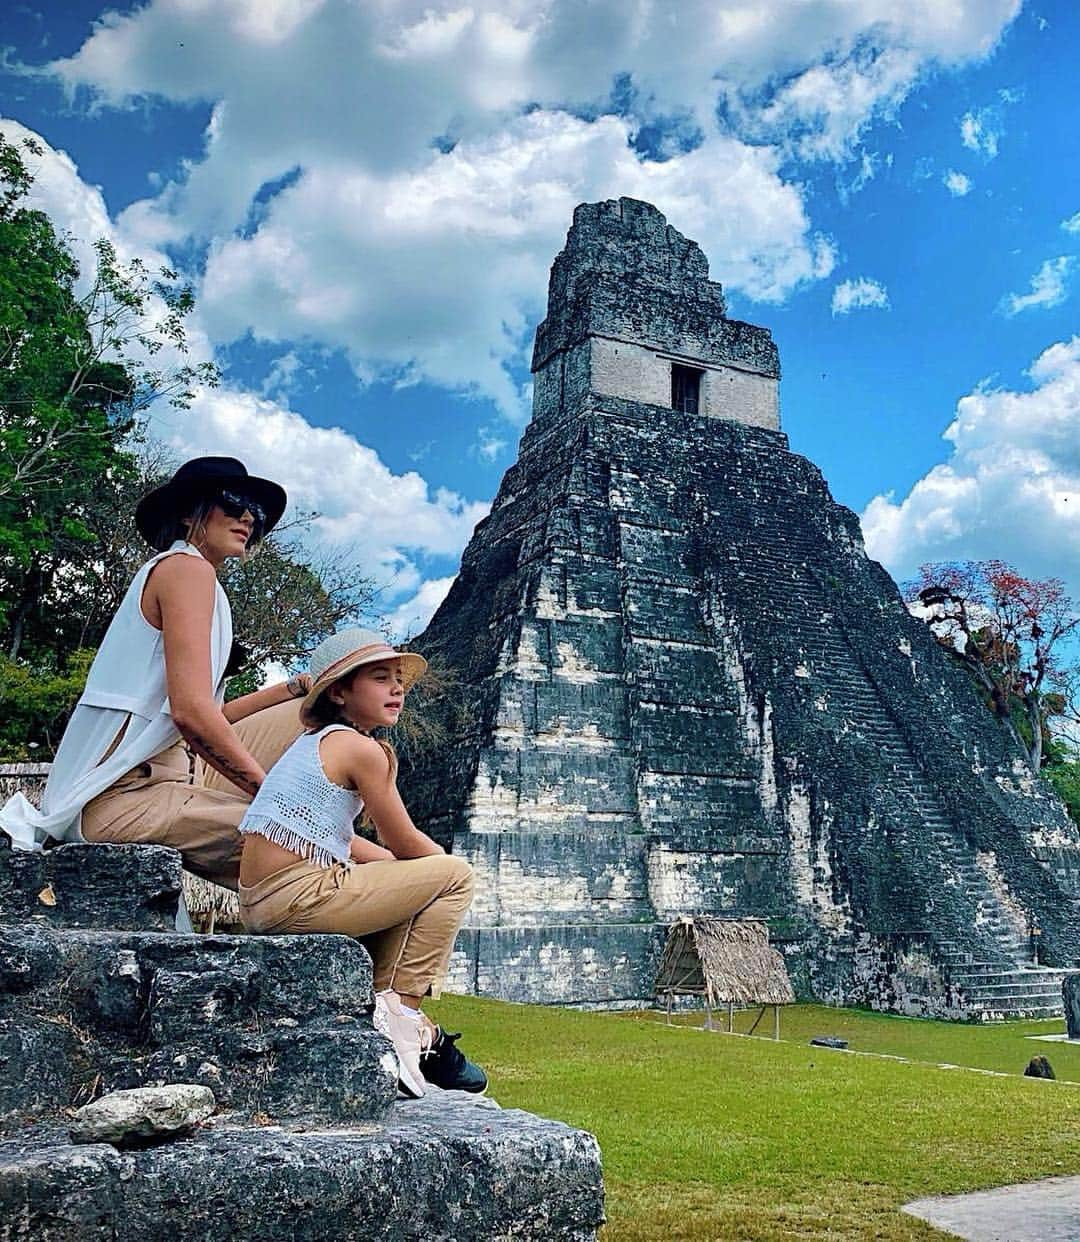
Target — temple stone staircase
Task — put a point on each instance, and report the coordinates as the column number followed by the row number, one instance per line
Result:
column 99, row 991
column 1002, row 981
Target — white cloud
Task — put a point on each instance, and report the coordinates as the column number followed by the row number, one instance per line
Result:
column 1011, row 488
column 79, row 215
column 426, row 66
column 284, row 374
column 1072, row 224
column 442, row 270
column 77, row 210
column 869, row 163
column 489, row 444
column 387, row 521
column 419, row 162
column 860, row 294
column 390, row 522
column 1049, row 287
column 410, row 617
column 956, row 183
column 981, row 131
column 430, row 263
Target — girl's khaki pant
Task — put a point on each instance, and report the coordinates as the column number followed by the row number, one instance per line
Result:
column 406, row 913
column 165, row 802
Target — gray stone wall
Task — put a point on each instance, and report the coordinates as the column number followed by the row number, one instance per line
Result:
column 626, row 273
column 635, row 373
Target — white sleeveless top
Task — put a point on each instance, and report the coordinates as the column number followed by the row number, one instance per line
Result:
column 301, row 809
column 128, row 672
column 126, row 685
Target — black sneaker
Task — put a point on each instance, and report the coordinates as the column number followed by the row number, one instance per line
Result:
column 445, row 1065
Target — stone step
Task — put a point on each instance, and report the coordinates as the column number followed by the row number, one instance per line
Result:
column 1044, row 976
column 993, row 995
column 129, row 887
column 1011, row 987
column 961, row 969
column 437, row 1168
column 272, row 1024
column 1011, row 1009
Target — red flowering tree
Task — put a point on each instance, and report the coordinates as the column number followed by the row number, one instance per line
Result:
column 1009, row 631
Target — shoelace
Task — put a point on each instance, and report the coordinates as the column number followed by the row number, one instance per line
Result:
column 445, row 1048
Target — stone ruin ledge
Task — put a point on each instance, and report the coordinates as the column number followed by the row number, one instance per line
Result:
column 307, row 1143
column 434, row 1170
column 271, row 1024
column 134, row 887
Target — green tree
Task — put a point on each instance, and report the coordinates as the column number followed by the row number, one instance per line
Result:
column 76, row 372
column 1063, row 772
column 35, row 705
column 285, row 600
column 1010, row 632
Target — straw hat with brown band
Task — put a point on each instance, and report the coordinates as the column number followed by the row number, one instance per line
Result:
column 339, row 654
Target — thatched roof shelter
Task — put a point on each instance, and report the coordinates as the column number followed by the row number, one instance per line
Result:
column 209, row 905
column 727, row 961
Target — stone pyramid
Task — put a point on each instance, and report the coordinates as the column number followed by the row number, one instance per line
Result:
column 686, row 689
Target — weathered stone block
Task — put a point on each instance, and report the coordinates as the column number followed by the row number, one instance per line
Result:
column 129, row 887
column 271, row 1024
column 42, row 1064
column 662, row 611
column 686, row 738
column 732, row 885
column 565, row 876
column 588, row 711
column 436, row 1168
column 126, row 1118
column 568, row 964
column 679, row 674
column 580, row 648
column 719, row 811
column 596, row 781
column 60, row 1194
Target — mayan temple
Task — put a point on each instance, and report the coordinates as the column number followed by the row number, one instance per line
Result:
column 686, row 689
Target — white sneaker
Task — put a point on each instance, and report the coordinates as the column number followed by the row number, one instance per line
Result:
column 404, row 1028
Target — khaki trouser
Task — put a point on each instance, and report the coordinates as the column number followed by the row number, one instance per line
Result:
column 406, row 913
column 162, row 802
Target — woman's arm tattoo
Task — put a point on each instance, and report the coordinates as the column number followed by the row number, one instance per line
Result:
column 222, row 763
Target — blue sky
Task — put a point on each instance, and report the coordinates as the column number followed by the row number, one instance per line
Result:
column 369, row 196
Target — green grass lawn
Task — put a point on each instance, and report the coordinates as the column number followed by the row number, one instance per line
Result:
column 706, row 1135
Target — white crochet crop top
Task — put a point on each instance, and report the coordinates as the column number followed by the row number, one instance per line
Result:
column 301, row 809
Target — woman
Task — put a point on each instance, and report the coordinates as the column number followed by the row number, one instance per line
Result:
column 122, row 772
column 304, row 869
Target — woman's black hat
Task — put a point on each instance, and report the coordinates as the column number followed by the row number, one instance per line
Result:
column 198, row 480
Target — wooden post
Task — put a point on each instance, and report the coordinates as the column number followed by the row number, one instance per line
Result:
column 708, row 1013
column 730, row 1016
column 776, row 1022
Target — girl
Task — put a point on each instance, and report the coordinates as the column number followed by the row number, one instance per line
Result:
column 304, row 869
column 122, row 773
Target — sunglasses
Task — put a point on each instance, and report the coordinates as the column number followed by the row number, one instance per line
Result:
column 236, row 504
